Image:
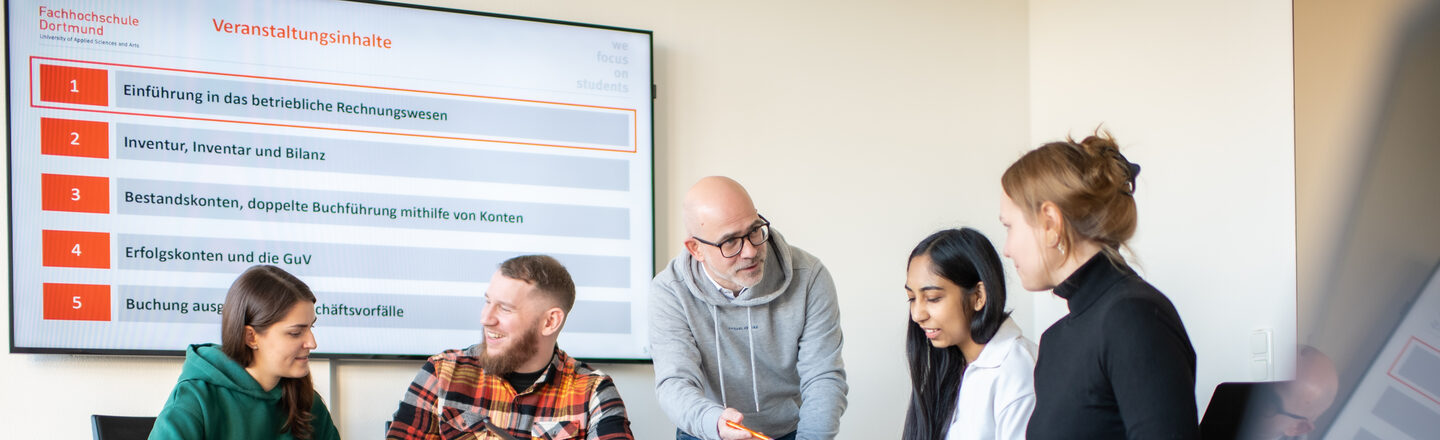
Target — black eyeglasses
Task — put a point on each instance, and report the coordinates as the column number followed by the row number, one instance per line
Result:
column 1304, row 422
column 1283, row 412
column 732, row 246
column 1278, row 405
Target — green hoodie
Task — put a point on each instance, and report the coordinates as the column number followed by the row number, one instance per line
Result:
column 216, row 398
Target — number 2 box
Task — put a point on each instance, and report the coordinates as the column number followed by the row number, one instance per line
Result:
column 66, row 137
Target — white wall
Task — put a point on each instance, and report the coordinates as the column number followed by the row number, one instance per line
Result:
column 859, row 128
column 1200, row 95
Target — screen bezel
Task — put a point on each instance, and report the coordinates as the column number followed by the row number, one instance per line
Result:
column 9, row 189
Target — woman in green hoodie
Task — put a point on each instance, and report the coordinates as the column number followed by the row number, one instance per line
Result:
column 256, row 383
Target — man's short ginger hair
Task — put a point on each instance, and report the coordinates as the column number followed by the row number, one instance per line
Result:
column 549, row 277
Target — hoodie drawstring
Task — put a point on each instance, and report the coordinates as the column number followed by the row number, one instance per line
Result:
column 749, row 332
column 754, row 383
column 719, row 361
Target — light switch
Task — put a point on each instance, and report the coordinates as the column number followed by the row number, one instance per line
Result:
column 1261, row 349
column 1260, row 342
column 1259, row 370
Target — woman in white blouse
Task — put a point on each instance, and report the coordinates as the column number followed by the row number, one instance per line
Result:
column 971, row 370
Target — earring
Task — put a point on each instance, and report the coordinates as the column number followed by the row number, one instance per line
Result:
column 1060, row 246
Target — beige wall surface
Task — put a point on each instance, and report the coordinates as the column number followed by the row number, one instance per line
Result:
column 860, row 127
column 1343, row 58
column 1366, row 105
column 1199, row 94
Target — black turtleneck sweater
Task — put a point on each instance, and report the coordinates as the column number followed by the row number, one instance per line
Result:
column 1120, row 365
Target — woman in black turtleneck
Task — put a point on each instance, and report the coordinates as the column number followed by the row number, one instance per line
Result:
column 1120, row 364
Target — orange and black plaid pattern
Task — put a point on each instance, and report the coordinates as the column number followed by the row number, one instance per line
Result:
column 453, row 399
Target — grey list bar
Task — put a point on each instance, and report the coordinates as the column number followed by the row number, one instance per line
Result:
column 234, row 148
column 338, row 309
column 1363, row 434
column 1422, row 369
column 168, row 304
column 191, row 254
column 398, row 311
column 236, row 202
column 473, row 116
column 1404, row 413
column 599, row 317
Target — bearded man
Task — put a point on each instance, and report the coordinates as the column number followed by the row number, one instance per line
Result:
column 516, row 383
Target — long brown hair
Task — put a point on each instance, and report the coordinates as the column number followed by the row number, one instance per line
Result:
column 259, row 298
column 1091, row 183
column 966, row 258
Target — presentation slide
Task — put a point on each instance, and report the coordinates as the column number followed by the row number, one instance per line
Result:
column 391, row 157
column 1399, row 396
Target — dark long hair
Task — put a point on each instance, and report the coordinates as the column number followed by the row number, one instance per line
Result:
column 966, row 258
column 259, row 298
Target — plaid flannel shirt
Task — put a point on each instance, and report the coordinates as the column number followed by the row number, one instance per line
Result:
column 452, row 398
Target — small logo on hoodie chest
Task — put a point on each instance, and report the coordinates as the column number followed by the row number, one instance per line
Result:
column 743, row 328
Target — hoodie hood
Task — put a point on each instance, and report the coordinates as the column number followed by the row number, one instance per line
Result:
column 777, row 277
column 208, row 364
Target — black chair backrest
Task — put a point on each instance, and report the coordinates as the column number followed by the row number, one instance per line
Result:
column 121, row 427
column 1238, row 410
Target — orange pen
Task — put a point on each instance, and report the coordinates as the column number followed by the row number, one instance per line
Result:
column 751, row 431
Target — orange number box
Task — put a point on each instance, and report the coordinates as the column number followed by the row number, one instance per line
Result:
column 74, row 85
column 77, row 302
column 65, row 137
column 75, row 249
column 60, row 192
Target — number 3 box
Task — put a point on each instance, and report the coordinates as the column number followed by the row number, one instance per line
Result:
column 59, row 192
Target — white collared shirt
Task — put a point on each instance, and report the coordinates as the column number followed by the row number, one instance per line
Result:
column 997, row 392
column 729, row 293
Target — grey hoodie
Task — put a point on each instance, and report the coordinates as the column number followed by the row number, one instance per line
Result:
column 773, row 353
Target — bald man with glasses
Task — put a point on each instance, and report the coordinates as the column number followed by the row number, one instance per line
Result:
column 745, row 328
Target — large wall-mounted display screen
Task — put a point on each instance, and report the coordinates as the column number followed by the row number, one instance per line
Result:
column 389, row 156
